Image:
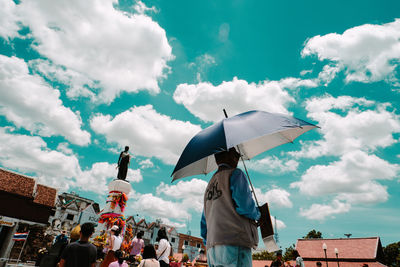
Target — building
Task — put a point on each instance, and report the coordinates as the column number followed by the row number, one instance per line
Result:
column 25, row 206
column 190, row 245
column 345, row 251
column 71, row 210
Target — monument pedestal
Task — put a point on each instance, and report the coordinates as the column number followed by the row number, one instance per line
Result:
column 113, row 213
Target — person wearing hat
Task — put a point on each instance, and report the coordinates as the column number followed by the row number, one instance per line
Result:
column 228, row 223
column 278, row 262
column 113, row 244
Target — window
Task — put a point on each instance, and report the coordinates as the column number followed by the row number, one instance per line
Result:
column 173, row 240
column 52, row 212
column 186, row 243
column 70, row 217
column 198, row 245
column 152, row 235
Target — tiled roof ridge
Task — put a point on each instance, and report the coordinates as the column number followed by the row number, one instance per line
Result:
column 16, row 173
column 341, row 238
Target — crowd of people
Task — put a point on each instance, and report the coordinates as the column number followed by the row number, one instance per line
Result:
column 83, row 253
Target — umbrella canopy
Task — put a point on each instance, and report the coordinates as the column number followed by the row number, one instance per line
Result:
column 253, row 132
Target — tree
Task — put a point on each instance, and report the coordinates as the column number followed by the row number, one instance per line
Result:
column 289, row 253
column 263, row 255
column 313, row 234
column 392, row 254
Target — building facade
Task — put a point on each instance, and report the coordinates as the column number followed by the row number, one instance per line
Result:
column 25, row 207
column 71, row 210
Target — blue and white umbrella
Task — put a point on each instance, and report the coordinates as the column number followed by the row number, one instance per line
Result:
column 252, row 132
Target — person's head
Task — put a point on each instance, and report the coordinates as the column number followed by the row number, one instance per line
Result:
column 296, row 253
column 139, row 235
column 63, row 232
column 162, row 234
column 156, row 245
column 365, row 265
column 115, row 230
column 120, row 256
column 126, row 148
column 230, row 157
column 202, row 251
column 279, row 255
column 87, row 229
column 319, row 264
column 149, row 252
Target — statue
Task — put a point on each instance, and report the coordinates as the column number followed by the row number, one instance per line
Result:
column 123, row 163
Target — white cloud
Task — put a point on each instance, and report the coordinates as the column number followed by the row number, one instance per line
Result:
column 145, row 164
column 349, row 124
column 273, row 165
column 29, row 154
column 77, row 84
column 320, row 212
column 354, row 173
column 120, row 51
column 8, row 19
column 366, row 53
column 141, row 8
column 59, row 169
column 64, row 148
column 274, row 197
column 29, row 102
column 279, row 224
column 160, row 208
column 142, row 128
column 207, row 101
column 191, row 193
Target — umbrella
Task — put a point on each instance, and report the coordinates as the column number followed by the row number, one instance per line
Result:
column 252, row 132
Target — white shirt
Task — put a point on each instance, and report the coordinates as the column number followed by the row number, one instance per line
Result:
column 164, row 248
column 149, row 263
column 299, row 262
column 117, row 242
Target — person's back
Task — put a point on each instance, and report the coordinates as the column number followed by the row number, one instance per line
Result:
column 149, row 257
column 137, row 244
column 81, row 253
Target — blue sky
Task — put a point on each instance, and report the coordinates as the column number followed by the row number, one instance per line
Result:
column 79, row 80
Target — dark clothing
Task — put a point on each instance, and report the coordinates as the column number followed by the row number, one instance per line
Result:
column 79, row 254
column 163, row 264
column 62, row 239
column 123, row 163
column 277, row 263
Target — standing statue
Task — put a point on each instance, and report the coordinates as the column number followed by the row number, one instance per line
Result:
column 123, row 163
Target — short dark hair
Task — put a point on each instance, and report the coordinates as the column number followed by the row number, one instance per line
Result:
column 149, row 252
column 162, row 234
column 319, row 263
column 139, row 235
column 126, row 148
column 224, row 156
column 87, row 229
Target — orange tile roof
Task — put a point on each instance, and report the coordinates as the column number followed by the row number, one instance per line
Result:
column 349, row 248
column 342, row 264
column 16, row 184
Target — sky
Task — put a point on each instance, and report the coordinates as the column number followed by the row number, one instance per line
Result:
column 80, row 80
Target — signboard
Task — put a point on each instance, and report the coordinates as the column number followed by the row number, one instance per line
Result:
column 5, row 221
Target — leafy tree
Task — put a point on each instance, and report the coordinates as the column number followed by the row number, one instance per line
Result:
column 263, row 255
column 313, row 234
column 289, row 253
column 392, row 254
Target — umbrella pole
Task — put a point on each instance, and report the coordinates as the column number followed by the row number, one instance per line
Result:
column 248, row 178
column 245, row 168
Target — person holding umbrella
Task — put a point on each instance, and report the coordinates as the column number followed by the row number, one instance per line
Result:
column 228, row 224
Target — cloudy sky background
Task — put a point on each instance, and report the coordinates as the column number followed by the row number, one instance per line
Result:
column 79, row 80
